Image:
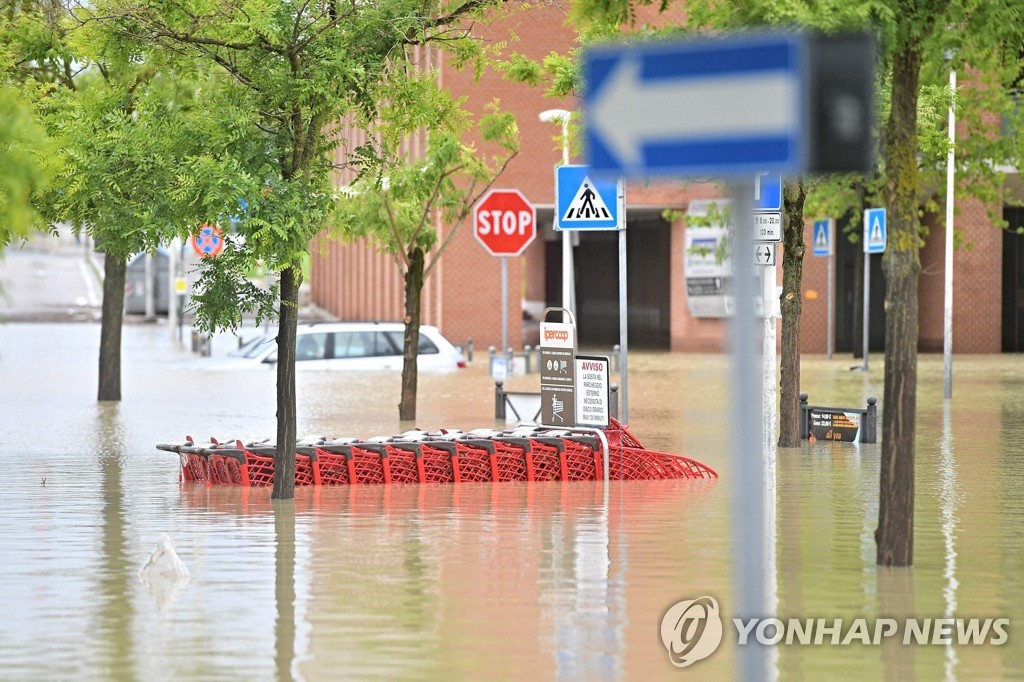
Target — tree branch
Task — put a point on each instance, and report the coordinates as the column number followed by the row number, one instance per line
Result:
column 467, row 208
column 394, row 232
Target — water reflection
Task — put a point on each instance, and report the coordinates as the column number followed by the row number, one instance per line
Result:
column 284, row 584
column 949, row 499
column 114, row 573
column 509, row 581
column 896, row 600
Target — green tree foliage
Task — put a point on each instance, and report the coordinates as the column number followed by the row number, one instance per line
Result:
column 920, row 41
column 27, row 161
column 290, row 75
column 116, row 125
column 399, row 201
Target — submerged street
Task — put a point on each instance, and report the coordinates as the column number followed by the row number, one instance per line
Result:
column 506, row 581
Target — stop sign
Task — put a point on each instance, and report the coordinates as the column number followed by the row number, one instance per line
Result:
column 504, row 222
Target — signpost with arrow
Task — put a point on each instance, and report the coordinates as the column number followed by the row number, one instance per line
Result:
column 733, row 107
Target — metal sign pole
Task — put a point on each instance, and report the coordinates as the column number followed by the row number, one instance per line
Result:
column 172, row 296
column 867, row 301
column 830, row 333
column 749, row 495
column 504, row 304
column 623, row 314
column 947, row 315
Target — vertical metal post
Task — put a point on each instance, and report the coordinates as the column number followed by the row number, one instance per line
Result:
column 768, row 356
column 499, row 399
column 623, row 319
column 830, row 333
column 748, row 493
column 870, row 427
column 181, row 298
column 172, row 296
column 804, row 426
column 150, row 289
column 568, row 279
column 867, row 296
column 947, row 334
column 504, row 301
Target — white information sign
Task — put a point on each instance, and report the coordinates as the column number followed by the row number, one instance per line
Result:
column 768, row 227
column 764, row 254
column 592, row 401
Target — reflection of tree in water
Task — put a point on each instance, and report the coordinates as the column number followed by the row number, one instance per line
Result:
column 284, row 587
column 114, row 627
column 391, row 577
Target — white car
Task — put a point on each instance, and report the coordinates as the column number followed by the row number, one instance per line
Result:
column 352, row 345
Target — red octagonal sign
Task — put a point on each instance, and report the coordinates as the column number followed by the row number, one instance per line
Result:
column 504, row 222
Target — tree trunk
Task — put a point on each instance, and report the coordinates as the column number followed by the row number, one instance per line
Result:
column 284, row 462
column 792, row 306
column 114, row 271
column 902, row 265
column 410, row 371
column 284, row 588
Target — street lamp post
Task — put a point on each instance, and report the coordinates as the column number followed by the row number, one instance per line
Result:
column 568, row 285
column 947, row 321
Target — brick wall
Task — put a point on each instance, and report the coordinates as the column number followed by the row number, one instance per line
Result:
column 463, row 295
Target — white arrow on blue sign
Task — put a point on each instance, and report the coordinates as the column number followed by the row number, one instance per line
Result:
column 768, row 191
column 583, row 202
column 874, row 230
column 823, row 237
column 720, row 107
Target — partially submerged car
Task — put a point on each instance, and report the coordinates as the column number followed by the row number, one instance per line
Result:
column 351, row 345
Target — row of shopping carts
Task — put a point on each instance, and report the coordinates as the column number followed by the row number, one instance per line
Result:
column 526, row 453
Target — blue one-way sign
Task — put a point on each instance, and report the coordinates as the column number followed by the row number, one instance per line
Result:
column 767, row 191
column 722, row 107
column 874, row 230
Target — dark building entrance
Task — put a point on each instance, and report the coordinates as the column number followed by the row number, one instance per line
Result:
column 596, row 260
column 1013, row 281
column 850, row 296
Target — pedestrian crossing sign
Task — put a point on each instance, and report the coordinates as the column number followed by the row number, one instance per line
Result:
column 874, row 230
column 583, row 202
column 823, row 237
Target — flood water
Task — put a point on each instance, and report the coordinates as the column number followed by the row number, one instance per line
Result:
column 473, row 581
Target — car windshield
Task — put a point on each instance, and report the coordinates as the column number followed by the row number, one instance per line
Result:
column 257, row 346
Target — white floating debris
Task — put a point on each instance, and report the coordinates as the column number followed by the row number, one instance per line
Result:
column 164, row 573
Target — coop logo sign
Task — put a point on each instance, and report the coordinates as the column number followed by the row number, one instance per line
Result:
column 557, row 335
column 691, row 630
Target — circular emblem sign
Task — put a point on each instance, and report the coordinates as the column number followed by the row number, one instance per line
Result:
column 208, row 241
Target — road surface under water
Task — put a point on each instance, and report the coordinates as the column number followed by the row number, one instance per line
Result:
column 509, row 581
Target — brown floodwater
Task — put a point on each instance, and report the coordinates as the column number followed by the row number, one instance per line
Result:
column 473, row 581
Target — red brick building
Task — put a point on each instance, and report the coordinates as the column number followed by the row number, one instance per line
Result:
column 463, row 295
